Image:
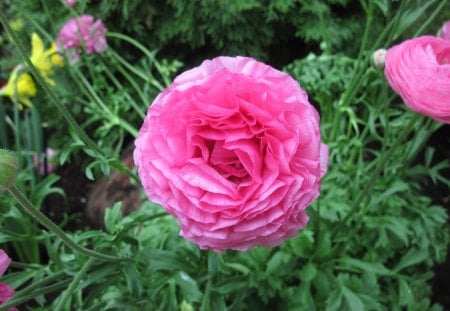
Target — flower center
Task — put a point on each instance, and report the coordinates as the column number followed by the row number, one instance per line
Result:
column 226, row 162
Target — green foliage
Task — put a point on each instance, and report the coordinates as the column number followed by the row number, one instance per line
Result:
column 381, row 258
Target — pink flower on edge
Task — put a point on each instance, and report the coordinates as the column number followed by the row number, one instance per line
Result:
column 445, row 31
column 232, row 149
column 82, row 31
column 6, row 292
column 419, row 71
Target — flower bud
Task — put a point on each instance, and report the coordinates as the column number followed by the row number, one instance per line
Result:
column 8, row 170
column 378, row 58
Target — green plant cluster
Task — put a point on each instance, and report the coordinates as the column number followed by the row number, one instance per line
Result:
column 371, row 243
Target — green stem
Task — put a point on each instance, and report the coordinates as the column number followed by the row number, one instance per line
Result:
column 381, row 164
column 119, row 85
column 144, row 50
column 42, row 219
column 73, row 285
column 42, row 291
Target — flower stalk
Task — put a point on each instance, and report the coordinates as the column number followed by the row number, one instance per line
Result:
column 50, row 225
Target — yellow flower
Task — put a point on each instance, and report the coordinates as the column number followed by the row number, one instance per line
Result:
column 44, row 60
column 20, row 85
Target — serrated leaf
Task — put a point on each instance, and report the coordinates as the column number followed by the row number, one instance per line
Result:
column 353, row 301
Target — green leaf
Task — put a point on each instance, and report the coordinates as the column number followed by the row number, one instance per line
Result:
column 188, row 286
column 334, row 301
column 113, row 216
column 277, row 262
column 230, row 285
column 308, row 272
column 375, row 267
column 405, row 294
column 383, row 5
column 412, row 257
column 133, row 278
column 353, row 301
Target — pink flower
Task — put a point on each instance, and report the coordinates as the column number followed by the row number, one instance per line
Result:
column 419, row 71
column 71, row 2
column 445, row 31
column 82, row 31
column 232, row 149
column 6, row 292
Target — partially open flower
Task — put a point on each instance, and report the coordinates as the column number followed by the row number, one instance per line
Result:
column 232, row 149
column 6, row 292
column 419, row 71
column 378, row 58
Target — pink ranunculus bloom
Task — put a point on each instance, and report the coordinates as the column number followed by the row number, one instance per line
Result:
column 6, row 292
column 444, row 32
column 71, row 2
column 419, row 71
column 232, row 149
column 82, row 31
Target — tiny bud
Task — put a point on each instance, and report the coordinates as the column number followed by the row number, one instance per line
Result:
column 378, row 58
column 8, row 170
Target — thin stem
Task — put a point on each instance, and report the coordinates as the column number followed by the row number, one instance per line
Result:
column 41, row 283
column 381, row 164
column 73, row 285
column 42, row 219
column 144, row 50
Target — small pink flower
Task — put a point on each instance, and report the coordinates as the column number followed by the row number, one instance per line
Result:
column 71, row 2
column 232, row 149
column 6, row 292
column 419, row 71
column 445, row 31
column 82, row 31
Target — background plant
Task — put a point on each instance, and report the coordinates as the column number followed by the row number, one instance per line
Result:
column 380, row 258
